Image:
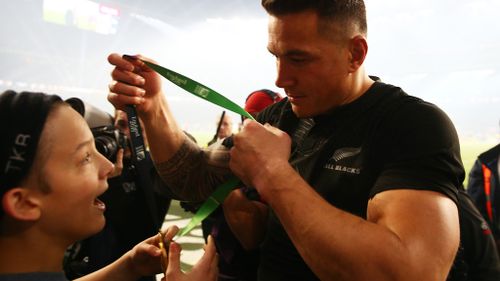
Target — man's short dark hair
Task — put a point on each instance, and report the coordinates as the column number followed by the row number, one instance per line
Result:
column 342, row 11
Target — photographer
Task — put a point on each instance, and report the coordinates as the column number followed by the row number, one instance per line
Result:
column 135, row 210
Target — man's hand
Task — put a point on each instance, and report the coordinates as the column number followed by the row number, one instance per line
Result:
column 133, row 83
column 204, row 270
column 117, row 171
column 258, row 152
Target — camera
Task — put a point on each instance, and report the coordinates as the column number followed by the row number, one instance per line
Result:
column 108, row 138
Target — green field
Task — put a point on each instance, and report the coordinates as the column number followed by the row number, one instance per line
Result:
column 470, row 149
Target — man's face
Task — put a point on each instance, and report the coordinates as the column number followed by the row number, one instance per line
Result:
column 76, row 173
column 312, row 68
column 226, row 127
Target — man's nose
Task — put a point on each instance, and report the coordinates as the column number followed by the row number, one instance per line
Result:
column 283, row 78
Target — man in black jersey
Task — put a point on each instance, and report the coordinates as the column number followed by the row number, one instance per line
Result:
column 360, row 178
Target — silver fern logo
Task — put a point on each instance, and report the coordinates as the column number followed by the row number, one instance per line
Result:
column 341, row 154
column 345, row 152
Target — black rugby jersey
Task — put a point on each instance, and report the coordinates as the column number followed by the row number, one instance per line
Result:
column 384, row 140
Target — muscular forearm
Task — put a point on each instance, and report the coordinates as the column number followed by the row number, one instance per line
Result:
column 192, row 173
column 164, row 134
column 189, row 172
column 340, row 246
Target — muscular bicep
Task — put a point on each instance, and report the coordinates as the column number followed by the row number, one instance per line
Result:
column 425, row 222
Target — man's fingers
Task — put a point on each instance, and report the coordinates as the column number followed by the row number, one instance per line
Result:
column 173, row 259
column 138, row 61
column 246, row 121
column 117, row 171
column 215, row 259
column 126, row 89
column 119, row 101
column 171, row 232
column 250, row 123
column 252, row 127
column 210, row 251
column 127, row 77
column 273, row 129
column 128, row 62
column 117, row 60
column 119, row 158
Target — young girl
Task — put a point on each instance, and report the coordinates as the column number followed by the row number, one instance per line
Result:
column 50, row 178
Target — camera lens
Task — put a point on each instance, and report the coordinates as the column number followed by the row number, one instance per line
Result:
column 107, row 146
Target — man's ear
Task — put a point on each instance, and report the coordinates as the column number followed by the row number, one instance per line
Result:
column 358, row 48
column 21, row 204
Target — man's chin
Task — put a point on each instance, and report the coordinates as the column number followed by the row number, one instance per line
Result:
column 300, row 112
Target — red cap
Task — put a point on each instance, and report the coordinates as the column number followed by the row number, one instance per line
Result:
column 259, row 100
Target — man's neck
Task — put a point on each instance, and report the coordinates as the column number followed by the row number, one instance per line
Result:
column 360, row 83
column 356, row 86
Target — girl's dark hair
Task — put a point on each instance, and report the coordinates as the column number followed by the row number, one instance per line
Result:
column 22, row 119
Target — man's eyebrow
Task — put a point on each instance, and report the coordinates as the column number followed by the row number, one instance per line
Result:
column 293, row 52
column 296, row 53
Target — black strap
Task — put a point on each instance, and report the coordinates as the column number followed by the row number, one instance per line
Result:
column 142, row 163
column 216, row 136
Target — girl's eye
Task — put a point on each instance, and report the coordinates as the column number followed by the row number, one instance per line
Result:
column 87, row 158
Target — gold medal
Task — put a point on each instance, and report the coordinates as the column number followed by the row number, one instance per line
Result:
column 164, row 252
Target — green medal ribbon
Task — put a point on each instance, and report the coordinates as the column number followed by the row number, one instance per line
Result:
column 210, row 204
column 212, row 96
column 198, row 89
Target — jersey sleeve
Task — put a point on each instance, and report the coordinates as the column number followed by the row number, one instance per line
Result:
column 422, row 152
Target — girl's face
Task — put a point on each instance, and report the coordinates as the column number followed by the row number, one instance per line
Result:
column 75, row 173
